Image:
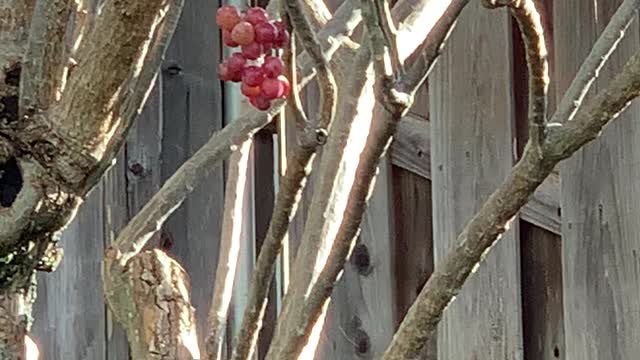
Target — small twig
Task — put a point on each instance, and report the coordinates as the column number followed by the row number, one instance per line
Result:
column 600, row 53
column 230, row 240
column 328, row 91
column 491, row 220
column 530, row 25
column 43, row 61
column 388, row 30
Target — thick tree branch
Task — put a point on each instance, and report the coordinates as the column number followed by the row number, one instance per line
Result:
column 486, row 226
column 532, row 33
column 590, row 69
column 41, row 75
column 347, row 172
column 150, row 298
column 234, row 199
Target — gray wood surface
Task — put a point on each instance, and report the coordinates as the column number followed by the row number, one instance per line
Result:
column 471, row 111
column 600, row 203
column 410, row 150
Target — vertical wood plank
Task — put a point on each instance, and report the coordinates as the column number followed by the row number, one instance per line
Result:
column 360, row 320
column 413, row 243
column 192, row 112
column 600, row 203
column 70, row 311
column 471, row 109
column 542, row 311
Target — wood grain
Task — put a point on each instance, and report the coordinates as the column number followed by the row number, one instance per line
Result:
column 600, row 203
column 471, row 110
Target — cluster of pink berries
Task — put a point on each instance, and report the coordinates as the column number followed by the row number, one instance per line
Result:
column 256, row 66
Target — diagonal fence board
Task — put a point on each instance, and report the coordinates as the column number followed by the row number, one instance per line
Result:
column 600, row 202
column 471, row 110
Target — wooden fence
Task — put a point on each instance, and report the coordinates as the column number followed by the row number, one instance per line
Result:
column 560, row 284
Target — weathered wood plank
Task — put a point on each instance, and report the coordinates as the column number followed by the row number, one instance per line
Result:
column 191, row 112
column 413, row 242
column 542, row 310
column 360, row 322
column 410, row 150
column 471, row 109
column 70, row 311
column 600, row 203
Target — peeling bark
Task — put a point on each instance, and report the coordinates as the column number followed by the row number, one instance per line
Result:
column 150, row 298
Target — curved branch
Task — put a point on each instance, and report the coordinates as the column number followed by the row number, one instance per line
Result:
column 328, row 91
column 532, row 33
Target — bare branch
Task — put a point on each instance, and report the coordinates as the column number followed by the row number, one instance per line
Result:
column 486, row 226
column 420, row 63
column 294, row 104
column 230, row 240
column 338, row 205
column 43, row 61
column 328, row 91
column 532, row 33
column 590, row 69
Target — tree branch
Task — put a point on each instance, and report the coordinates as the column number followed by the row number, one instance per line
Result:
column 230, row 240
column 486, row 226
column 41, row 75
column 532, row 33
column 590, row 69
column 328, row 92
column 347, row 172
column 420, row 63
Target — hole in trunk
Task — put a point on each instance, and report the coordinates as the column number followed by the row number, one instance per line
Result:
column 10, row 182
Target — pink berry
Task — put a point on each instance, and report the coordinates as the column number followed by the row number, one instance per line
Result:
column 260, row 102
column 283, row 39
column 267, row 47
column 243, row 33
column 250, row 91
column 272, row 66
column 256, row 15
column 252, row 51
column 286, row 86
column 227, row 17
column 227, row 40
column 252, row 76
column 223, row 72
column 236, row 62
column 272, row 88
column 266, row 32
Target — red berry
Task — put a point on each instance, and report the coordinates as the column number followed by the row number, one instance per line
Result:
column 272, row 66
column 252, row 51
column 283, row 39
column 256, row 15
column 285, row 84
column 223, row 72
column 272, row 88
column 236, row 62
column 250, row 91
column 260, row 102
column 267, row 47
column 252, row 76
column 227, row 17
column 227, row 40
column 266, row 32
column 243, row 33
